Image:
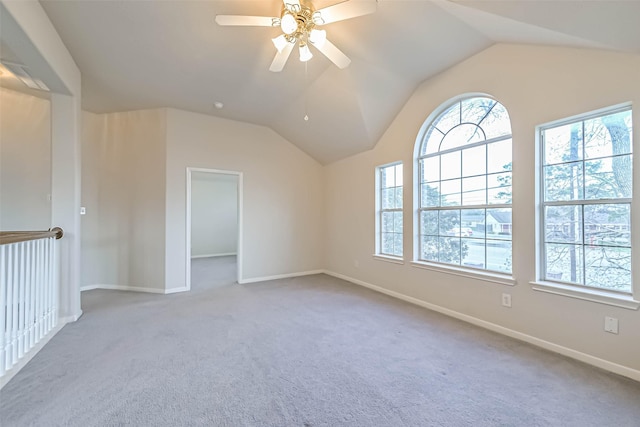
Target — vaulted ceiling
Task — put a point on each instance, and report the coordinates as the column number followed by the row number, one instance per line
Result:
column 150, row 54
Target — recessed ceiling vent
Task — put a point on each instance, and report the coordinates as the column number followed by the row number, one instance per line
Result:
column 22, row 73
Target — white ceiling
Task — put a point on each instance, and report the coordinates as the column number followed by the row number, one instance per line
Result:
column 148, row 54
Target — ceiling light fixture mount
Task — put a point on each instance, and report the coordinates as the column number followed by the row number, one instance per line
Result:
column 297, row 21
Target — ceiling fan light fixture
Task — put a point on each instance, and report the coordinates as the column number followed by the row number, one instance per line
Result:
column 305, row 53
column 288, row 23
column 280, row 42
column 318, row 37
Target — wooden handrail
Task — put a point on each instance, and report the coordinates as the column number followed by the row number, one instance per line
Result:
column 7, row 237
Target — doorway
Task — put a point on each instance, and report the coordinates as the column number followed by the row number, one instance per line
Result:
column 214, row 228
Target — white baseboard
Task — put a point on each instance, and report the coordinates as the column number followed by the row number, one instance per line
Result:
column 176, row 290
column 8, row 375
column 123, row 288
column 280, row 276
column 565, row 351
column 212, row 255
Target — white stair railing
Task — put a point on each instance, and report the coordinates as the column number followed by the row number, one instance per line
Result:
column 28, row 292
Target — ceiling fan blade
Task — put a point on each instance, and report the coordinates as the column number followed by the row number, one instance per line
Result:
column 281, row 58
column 346, row 10
column 295, row 3
column 241, row 20
column 334, row 54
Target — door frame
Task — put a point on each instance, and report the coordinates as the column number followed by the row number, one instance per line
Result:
column 190, row 171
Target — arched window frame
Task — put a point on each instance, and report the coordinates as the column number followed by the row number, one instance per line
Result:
column 423, row 258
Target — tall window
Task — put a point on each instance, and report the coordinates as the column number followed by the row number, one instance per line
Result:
column 586, row 201
column 389, row 195
column 464, row 165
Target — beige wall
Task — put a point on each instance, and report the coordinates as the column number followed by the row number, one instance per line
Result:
column 536, row 84
column 25, row 162
column 283, row 203
column 123, row 179
column 214, row 214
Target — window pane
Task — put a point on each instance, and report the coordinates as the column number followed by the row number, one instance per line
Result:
column 473, row 191
column 462, row 135
column 608, row 135
column 497, row 122
column 608, row 178
column 449, row 220
column 563, row 144
column 429, row 222
column 388, row 179
column 474, row 161
column 607, row 224
column 563, row 182
column 499, row 224
column 473, row 253
column 448, row 119
column 563, row 224
column 387, row 243
column 449, row 250
column 499, row 188
column 430, row 195
column 397, row 222
column 430, row 169
column 472, row 221
column 388, row 198
column 398, row 198
column 397, row 244
column 608, row 268
column 429, row 248
column 499, row 156
column 432, row 141
column 387, row 222
column 475, row 109
column 450, row 165
column 499, row 255
column 563, row 263
column 398, row 175
column 450, row 192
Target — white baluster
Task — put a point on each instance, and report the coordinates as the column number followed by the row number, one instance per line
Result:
column 50, row 284
column 14, row 304
column 3, row 307
column 39, row 291
column 32, row 300
column 21, row 298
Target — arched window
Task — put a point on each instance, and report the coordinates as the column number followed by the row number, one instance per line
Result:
column 464, row 167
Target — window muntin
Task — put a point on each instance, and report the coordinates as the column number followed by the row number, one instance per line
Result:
column 464, row 183
column 390, row 218
column 586, row 183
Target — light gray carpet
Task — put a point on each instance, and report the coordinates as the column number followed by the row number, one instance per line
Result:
column 311, row 351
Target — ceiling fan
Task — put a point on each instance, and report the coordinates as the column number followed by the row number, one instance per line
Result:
column 298, row 21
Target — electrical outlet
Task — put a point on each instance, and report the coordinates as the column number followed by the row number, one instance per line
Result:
column 611, row 325
column 506, row 300
column 83, row 210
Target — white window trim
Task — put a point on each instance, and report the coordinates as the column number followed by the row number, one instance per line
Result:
column 587, row 294
column 629, row 301
column 483, row 275
column 389, row 258
column 378, row 213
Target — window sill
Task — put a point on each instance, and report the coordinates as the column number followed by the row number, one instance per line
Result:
column 587, row 294
column 388, row 258
column 486, row 276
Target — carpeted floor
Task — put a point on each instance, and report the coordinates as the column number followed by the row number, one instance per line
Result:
column 310, row 351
